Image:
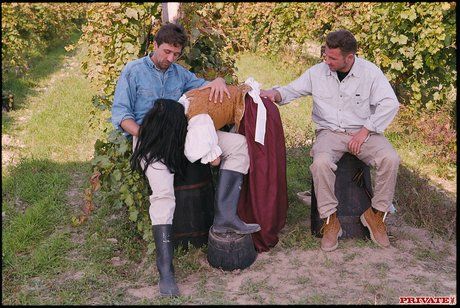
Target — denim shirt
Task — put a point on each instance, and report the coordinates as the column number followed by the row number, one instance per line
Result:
column 141, row 83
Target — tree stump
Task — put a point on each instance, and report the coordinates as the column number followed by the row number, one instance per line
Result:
column 230, row 251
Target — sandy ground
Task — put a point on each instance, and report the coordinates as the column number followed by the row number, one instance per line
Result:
column 417, row 264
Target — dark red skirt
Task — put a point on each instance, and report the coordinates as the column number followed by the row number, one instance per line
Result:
column 263, row 198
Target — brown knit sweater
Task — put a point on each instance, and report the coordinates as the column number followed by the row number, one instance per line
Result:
column 230, row 111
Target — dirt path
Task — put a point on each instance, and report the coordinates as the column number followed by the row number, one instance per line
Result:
column 358, row 272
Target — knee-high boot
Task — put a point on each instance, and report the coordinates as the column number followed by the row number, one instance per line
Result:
column 164, row 255
column 226, row 202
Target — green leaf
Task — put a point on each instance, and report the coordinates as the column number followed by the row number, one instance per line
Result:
column 129, row 200
column 133, row 215
column 124, row 188
column 116, row 175
column 150, row 248
column 132, row 13
column 195, row 33
column 123, row 148
column 430, row 105
column 397, row 65
column 401, row 39
column 445, row 6
column 228, row 79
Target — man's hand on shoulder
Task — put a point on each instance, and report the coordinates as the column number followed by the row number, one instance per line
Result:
column 272, row 95
column 218, row 88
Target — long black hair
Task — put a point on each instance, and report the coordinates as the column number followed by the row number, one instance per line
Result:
column 162, row 137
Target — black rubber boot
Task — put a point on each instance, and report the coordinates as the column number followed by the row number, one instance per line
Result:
column 226, row 202
column 164, row 253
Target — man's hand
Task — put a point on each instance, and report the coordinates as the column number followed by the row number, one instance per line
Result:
column 130, row 126
column 218, row 88
column 272, row 95
column 358, row 139
column 215, row 162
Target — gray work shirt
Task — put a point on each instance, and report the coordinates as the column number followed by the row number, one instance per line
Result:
column 363, row 98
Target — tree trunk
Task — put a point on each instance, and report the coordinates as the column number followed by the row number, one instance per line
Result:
column 169, row 12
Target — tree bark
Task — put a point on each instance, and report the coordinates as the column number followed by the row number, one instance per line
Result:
column 169, row 12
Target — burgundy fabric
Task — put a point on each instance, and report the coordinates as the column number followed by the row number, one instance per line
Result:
column 263, row 198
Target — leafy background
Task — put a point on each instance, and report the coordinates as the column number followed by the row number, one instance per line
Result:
column 413, row 43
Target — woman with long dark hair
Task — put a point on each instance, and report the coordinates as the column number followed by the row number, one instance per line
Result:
column 141, row 83
column 172, row 133
column 162, row 138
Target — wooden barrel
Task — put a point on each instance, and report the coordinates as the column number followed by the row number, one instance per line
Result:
column 353, row 190
column 194, row 211
column 230, row 251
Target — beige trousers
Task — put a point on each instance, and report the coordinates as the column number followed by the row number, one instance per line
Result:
column 234, row 157
column 376, row 152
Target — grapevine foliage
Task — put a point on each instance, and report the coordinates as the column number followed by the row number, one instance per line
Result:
column 413, row 43
column 118, row 33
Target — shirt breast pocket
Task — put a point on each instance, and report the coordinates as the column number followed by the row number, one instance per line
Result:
column 323, row 94
column 361, row 106
column 145, row 97
column 175, row 94
column 145, row 93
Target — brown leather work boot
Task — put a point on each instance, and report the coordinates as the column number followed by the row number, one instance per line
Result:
column 331, row 231
column 374, row 220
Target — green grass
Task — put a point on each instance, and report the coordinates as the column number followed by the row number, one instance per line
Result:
column 50, row 119
column 23, row 87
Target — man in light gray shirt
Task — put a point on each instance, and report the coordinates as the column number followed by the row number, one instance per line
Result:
column 353, row 103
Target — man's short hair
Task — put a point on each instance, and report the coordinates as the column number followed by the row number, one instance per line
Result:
column 173, row 34
column 342, row 39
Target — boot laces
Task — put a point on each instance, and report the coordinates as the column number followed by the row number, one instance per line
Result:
column 325, row 225
column 381, row 221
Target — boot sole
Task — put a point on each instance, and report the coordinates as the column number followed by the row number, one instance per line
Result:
column 168, row 294
column 336, row 245
column 234, row 230
column 364, row 222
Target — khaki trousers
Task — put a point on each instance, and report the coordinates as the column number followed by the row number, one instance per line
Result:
column 234, row 157
column 376, row 152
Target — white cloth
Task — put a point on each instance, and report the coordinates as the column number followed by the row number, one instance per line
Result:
column 201, row 140
column 363, row 98
column 162, row 199
column 261, row 119
column 185, row 102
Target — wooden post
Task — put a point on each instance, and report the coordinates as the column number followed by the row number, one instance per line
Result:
column 169, row 12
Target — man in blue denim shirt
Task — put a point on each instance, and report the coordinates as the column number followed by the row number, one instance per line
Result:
column 141, row 83
column 144, row 80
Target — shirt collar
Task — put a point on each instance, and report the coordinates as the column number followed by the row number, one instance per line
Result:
column 354, row 71
column 151, row 64
column 148, row 61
